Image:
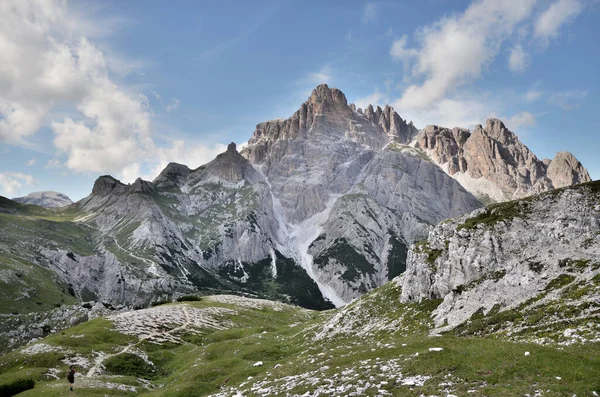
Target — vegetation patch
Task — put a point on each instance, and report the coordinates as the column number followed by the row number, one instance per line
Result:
column 346, row 254
column 496, row 213
column 560, row 282
column 432, row 254
column 189, row 298
column 574, row 265
column 127, row 364
column 396, row 261
column 16, row 387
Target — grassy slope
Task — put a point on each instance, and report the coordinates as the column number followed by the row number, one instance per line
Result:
column 380, row 334
column 24, row 285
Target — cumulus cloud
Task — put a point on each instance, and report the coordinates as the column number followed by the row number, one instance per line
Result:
column 560, row 12
column 522, row 119
column 455, row 49
column 448, row 112
column 518, row 59
column 12, row 182
column 31, row 162
column 191, row 154
column 443, row 58
column 48, row 59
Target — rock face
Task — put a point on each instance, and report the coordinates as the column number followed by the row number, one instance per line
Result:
column 349, row 195
column 45, row 199
column 539, row 255
column 494, row 165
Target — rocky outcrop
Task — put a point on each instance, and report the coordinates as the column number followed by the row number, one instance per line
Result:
column 327, row 110
column 391, row 123
column 228, row 167
column 529, row 256
column 45, row 199
column 18, row 330
column 566, row 170
column 494, row 165
column 106, row 185
column 173, row 175
column 142, row 186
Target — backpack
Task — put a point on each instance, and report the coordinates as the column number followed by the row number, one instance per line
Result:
column 71, row 375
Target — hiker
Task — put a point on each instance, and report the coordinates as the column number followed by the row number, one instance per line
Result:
column 71, row 376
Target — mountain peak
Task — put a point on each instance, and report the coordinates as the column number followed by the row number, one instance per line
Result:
column 322, row 94
column 106, row 184
column 48, row 199
column 495, row 129
column 232, row 147
column 565, row 170
column 142, row 186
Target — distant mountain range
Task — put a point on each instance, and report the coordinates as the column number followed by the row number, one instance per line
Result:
column 45, row 199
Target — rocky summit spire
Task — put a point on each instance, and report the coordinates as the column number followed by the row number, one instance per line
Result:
column 566, row 170
column 327, row 112
column 322, row 94
column 231, row 148
column 106, row 185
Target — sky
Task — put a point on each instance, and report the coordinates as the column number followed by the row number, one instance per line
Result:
column 91, row 88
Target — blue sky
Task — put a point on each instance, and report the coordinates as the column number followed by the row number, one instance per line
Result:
column 122, row 88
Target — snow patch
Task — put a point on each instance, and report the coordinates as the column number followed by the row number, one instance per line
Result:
column 273, row 263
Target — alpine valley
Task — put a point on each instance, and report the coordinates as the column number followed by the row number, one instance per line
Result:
column 454, row 262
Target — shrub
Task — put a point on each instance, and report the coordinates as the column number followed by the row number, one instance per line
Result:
column 189, row 298
column 16, row 387
column 127, row 364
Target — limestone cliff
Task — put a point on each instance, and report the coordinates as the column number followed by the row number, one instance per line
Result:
column 492, row 163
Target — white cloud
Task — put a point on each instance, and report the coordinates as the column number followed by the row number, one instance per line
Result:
column 53, row 163
column 173, row 104
column 12, row 182
column 451, row 113
column 369, row 12
column 533, row 95
column 455, row 49
column 518, row 59
column 399, row 52
column 31, row 162
column 48, row 59
column 191, row 154
column 522, row 119
column 560, row 12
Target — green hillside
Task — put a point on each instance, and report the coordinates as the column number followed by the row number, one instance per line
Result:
column 221, row 345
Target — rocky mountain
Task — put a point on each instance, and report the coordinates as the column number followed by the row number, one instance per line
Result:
column 316, row 210
column 47, row 199
column 535, row 258
column 348, row 193
column 494, row 165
